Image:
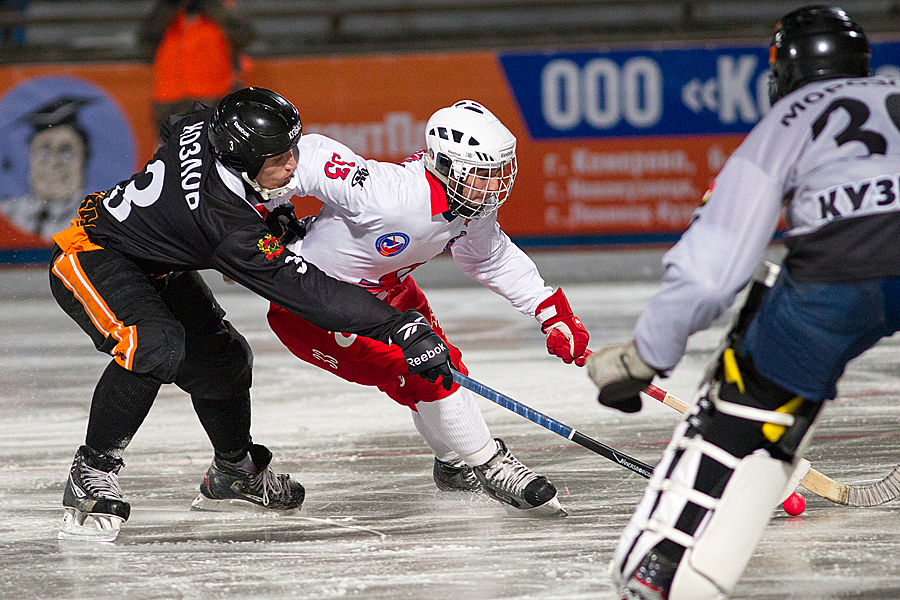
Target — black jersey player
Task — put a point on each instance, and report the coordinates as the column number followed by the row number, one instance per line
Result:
column 126, row 272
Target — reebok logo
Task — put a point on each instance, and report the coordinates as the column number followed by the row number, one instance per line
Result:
column 423, row 358
column 410, row 329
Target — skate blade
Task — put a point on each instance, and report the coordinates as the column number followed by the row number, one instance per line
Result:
column 202, row 503
column 89, row 527
column 550, row 509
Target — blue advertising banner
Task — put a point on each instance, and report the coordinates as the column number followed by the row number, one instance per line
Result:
column 679, row 91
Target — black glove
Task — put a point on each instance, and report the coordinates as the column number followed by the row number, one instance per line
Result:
column 283, row 223
column 425, row 352
column 621, row 375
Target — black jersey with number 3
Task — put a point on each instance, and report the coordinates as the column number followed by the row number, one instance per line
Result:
column 178, row 214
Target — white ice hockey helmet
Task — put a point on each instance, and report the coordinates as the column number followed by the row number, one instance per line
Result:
column 474, row 155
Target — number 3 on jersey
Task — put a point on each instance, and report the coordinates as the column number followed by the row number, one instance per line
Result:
column 119, row 202
column 333, row 171
column 859, row 113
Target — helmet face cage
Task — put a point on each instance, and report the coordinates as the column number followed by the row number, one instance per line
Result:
column 815, row 43
column 251, row 125
column 475, row 189
column 474, row 155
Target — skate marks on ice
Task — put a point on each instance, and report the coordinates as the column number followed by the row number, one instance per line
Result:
column 373, row 525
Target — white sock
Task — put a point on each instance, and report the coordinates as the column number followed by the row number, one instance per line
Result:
column 482, row 456
column 456, row 423
column 441, row 451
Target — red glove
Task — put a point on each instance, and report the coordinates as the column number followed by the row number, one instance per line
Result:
column 566, row 336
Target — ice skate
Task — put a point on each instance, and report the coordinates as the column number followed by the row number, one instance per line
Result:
column 94, row 509
column 228, row 488
column 524, row 492
column 455, row 476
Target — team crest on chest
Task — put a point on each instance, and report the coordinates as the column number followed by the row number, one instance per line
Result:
column 391, row 244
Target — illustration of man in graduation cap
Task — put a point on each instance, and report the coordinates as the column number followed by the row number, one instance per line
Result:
column 58, row 152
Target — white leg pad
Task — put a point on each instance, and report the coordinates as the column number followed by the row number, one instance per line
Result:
column 689, row 583
column 725, row 541
column 658, row 510
column 796, row 477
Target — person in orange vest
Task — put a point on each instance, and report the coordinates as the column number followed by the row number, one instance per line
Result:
column 198, row 55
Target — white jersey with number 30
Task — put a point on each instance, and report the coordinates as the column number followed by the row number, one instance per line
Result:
column 830, row 154
column 381, row 220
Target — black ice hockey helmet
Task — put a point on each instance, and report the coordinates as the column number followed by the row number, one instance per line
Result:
column 814, row 43
column 251, row 125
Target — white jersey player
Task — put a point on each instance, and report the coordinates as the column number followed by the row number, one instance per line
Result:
column 378, row 223
column 829, row 153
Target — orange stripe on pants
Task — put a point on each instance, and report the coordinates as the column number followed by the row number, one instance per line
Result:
column 68, row 269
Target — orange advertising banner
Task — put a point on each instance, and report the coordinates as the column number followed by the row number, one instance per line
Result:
column 595, row 165
column 566, row 189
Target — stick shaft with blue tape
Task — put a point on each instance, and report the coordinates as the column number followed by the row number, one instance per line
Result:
column 553, row 425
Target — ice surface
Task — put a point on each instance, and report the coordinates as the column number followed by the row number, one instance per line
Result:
column 374, row 526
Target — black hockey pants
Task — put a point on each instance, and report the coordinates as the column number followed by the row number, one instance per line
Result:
column 164, row 329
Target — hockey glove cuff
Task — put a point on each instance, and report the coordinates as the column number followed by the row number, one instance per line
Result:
column 566, row 336
column 425, row 352
column 283, row 223
column 621, row 375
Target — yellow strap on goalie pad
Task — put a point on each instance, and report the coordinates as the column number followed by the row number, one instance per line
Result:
column 774, row 432
column 732, row 372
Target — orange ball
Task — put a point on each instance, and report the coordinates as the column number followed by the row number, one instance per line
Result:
column 795, row 504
